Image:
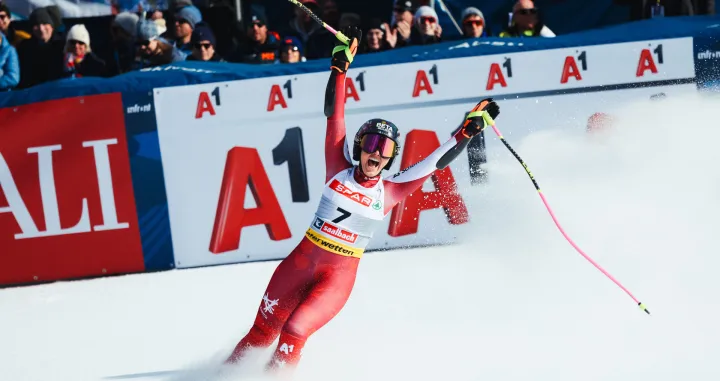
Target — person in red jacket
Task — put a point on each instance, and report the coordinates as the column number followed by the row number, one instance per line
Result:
column 311, row 285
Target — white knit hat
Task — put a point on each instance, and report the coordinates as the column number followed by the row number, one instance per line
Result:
column 79, row 33
column 469, row 11
column 425, row 11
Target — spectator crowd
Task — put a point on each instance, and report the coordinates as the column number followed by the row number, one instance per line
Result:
column 146, row 39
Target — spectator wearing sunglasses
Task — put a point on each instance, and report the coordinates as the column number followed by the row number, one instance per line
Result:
column 473, row 23
column 291, row 50
column 152, row 49
column 203, row 42
column 7, row 28
column 260, row 47
column 80, row 61
column 526, row 22
column 427, row 30
column 186, row 19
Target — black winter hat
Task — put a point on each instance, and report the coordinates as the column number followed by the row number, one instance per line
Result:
column 374, row 24
column 41, row 16
column 203, row 33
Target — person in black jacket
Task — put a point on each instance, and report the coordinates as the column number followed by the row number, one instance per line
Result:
column 41, row 56
column 79, row 60
column 123, row 30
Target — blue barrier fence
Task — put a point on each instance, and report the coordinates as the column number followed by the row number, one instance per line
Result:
column 704, row 29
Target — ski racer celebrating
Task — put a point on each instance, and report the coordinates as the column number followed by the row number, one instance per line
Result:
column 312, row 284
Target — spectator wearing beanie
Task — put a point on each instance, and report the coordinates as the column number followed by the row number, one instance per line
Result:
column 473, row 23
column 154, row 50
column 186, row 19
column 261, row 47
column 291, row 50
column 203, row 42
column 80, row 61
column 124, row 27
column 9, row 65
column 7, row 28
column 375, row 37
column 41, row 56
column 427, row 28
column 122, row 34
column 403, row 15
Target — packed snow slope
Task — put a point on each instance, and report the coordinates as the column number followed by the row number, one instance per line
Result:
column 512, row 301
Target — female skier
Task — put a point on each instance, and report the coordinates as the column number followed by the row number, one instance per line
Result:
column 311, row 285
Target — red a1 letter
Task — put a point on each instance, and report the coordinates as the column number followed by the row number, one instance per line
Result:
column 570, row 69
column 421, row 83
column 204, row 105
column 243, row 168
column 350, row 90
column 276, row 98
column 646, row 63
column 406, row 214
column 495, row 77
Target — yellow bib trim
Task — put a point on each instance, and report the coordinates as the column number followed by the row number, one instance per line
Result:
column 333, row 246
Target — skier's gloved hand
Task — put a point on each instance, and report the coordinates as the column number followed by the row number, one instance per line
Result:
column 482, row 115
column 342, row 54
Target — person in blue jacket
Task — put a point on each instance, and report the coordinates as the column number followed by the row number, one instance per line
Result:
column 9, row 65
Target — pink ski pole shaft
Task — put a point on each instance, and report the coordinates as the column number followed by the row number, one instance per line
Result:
column 340, row 36
column 549, row 209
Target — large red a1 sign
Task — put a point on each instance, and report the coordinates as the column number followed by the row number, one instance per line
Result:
column 67, row 208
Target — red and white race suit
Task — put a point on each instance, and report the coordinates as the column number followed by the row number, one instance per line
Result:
column 311, row 285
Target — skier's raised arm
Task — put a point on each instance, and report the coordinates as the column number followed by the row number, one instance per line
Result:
column 401, row 184
column 337, row 157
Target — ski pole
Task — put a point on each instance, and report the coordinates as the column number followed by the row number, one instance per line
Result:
column 489, row 121
column 340, row 36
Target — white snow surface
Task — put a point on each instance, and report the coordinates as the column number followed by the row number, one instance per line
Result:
column 512, row 301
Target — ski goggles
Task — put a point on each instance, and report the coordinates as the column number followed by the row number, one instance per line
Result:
column 374, row 142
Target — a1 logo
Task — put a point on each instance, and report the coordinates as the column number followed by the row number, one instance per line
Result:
column 286, row 349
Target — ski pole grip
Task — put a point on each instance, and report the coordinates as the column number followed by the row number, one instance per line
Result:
column 343, row 38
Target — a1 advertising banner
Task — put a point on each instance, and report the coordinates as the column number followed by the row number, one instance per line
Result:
column 67, row 208
column 244, row 160
column 243, row 190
